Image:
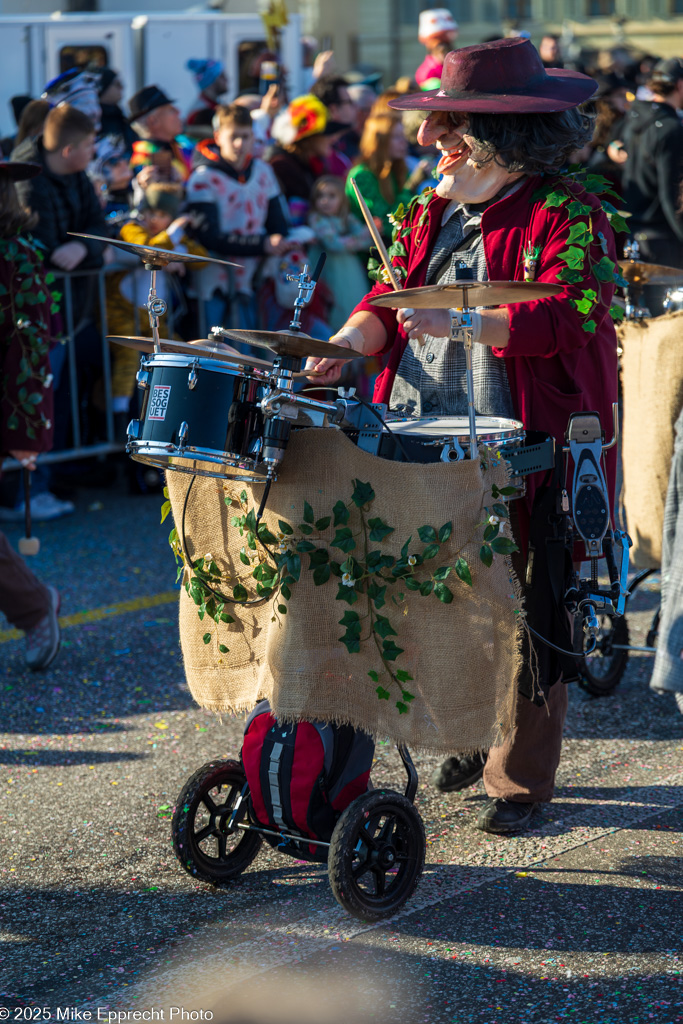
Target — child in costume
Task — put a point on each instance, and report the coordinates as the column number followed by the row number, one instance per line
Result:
column 341, row 236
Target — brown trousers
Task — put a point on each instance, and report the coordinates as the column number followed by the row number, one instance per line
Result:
column 523, row 768
column 24, row 600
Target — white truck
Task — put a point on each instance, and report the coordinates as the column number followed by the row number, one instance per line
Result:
column 145, row 49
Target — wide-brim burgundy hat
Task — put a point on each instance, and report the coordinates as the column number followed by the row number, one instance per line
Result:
column 18, row 170
column 505, row 76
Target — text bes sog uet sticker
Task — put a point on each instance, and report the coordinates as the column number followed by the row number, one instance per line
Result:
column 158, row 401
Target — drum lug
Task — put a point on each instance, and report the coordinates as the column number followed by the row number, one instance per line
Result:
column 142, row 378
column 452, row 451
column 192, row 378
column 182, row 434
column 133, row 430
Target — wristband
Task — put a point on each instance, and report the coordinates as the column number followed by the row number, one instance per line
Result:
column 457, row 329
column 350, row 335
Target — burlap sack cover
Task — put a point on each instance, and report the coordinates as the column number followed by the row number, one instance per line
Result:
column 652, row 387
column 463, row 656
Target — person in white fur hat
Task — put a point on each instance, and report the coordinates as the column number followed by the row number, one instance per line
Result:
column 438, row 32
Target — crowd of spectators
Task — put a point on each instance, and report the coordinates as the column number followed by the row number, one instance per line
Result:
column 265, row 181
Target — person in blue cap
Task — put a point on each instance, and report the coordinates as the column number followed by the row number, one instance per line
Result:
column 213, row 82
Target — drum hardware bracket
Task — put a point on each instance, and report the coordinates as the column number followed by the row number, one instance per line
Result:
column 183, row 431
column 307, row 285
column 156, row 307
column 193, row 377
column 142, row 378
column 452, row 448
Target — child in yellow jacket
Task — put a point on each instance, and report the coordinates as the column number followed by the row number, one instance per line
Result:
column 159, row 225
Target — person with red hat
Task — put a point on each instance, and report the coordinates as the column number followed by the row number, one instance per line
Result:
column 505, row 127
column 437, row 31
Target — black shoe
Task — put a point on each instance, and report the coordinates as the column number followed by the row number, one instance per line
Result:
column 503, row 816
column 459, row 772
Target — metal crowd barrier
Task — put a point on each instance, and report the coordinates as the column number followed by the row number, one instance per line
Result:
column 74, row 320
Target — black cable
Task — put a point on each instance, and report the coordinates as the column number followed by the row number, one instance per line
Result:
column 217, row 593
column 569, row 654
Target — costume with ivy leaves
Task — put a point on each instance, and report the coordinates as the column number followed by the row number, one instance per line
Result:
column 554, row 365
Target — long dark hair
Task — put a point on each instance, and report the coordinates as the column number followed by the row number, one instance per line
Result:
column 14, row 218
column 531, row 143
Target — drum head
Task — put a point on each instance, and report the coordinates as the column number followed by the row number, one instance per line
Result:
column 489, row 428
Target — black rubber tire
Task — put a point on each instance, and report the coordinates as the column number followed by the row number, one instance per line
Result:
column 601, row 673
column 223, row 864
column 395, row 826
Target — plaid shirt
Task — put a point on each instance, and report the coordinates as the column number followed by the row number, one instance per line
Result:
column 431, row 380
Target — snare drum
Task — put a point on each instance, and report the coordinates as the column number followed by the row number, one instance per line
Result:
column 200, row 416
column 447, row 439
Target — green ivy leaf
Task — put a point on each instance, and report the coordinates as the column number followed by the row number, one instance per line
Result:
column 411, row 583
column 462, row 571
column 322, row 524
column 604, row 269
column 321, row 574
column 617, row 314
column 404, row 549
column 442, row 573
column 318, row 557
column 617, row 223
column 403, row 676
column 443, row 593
column 250, row 522
column 503, row 546
column 350, row 618
column 486, row 554
column 390, row 651
column 379, row 529
column 363, row 494
column 589, row 326
column 407, row 696
column 347, row 594
column 426, row 588
column 284, row 527
column 573, row 257
column 578, row 209
column 282, row 608
column 207, row 638
column 343, row 539
column 431, row 551
column 304, row 546
column 376, row 594
column 305, row 529
column 165, row 509
column 244, row 557
column 570, row 276
column 579, row 235
column 382, row 693
column 308, row 513
column 341, row 514
column 445, row 532
column 383, row 627
column 427, row 534
column 239, row 593
column 374, row 675
column 286, row 592
column 293, row 564
column 555, row 199
column 584, row 306
column 223, row 649
column 402, row 708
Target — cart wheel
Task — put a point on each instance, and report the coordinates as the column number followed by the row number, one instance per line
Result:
column 202, row 841
column 601, row 673
column 377, row 854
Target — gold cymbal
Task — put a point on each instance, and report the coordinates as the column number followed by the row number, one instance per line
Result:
column 467, row 293
column 638, row 273
column 290, row 343
column 201, row 349
column 150, row 255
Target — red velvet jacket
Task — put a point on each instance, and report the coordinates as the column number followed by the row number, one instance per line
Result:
column 554, row 367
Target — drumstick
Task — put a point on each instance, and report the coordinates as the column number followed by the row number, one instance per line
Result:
column 379, row 244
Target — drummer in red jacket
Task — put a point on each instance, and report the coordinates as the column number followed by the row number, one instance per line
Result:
column 505, row 127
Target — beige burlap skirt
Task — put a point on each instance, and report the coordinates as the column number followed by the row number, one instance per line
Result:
column 328, row 650
column 652, row 387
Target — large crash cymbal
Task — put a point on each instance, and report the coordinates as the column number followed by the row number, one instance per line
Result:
column 201, row 348
column 291, row 343
column 640, row 274
column 466, row 293
column 151, row 256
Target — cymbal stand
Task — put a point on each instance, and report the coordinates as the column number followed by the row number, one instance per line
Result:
column 462, row 273
column 156, row 307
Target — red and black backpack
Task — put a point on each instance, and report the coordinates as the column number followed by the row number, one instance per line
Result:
column 303, row 775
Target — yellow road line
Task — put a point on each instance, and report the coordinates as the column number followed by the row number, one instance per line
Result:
column 97, row 614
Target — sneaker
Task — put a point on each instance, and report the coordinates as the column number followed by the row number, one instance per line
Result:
column 503, row 817
column 459, row 772
column 46, row 506
column 42, row 642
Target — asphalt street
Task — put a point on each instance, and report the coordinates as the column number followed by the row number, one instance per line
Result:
column 578, row 920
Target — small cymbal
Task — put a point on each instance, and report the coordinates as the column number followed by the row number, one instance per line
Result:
column 290, row 343
column 467, row 293
column 149, row 254
column 639, row 273
column 200, row 348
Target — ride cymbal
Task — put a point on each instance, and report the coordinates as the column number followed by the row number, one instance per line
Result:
column 152, row 256
column 467, row 293
column 286, row 343
column 638, row 273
